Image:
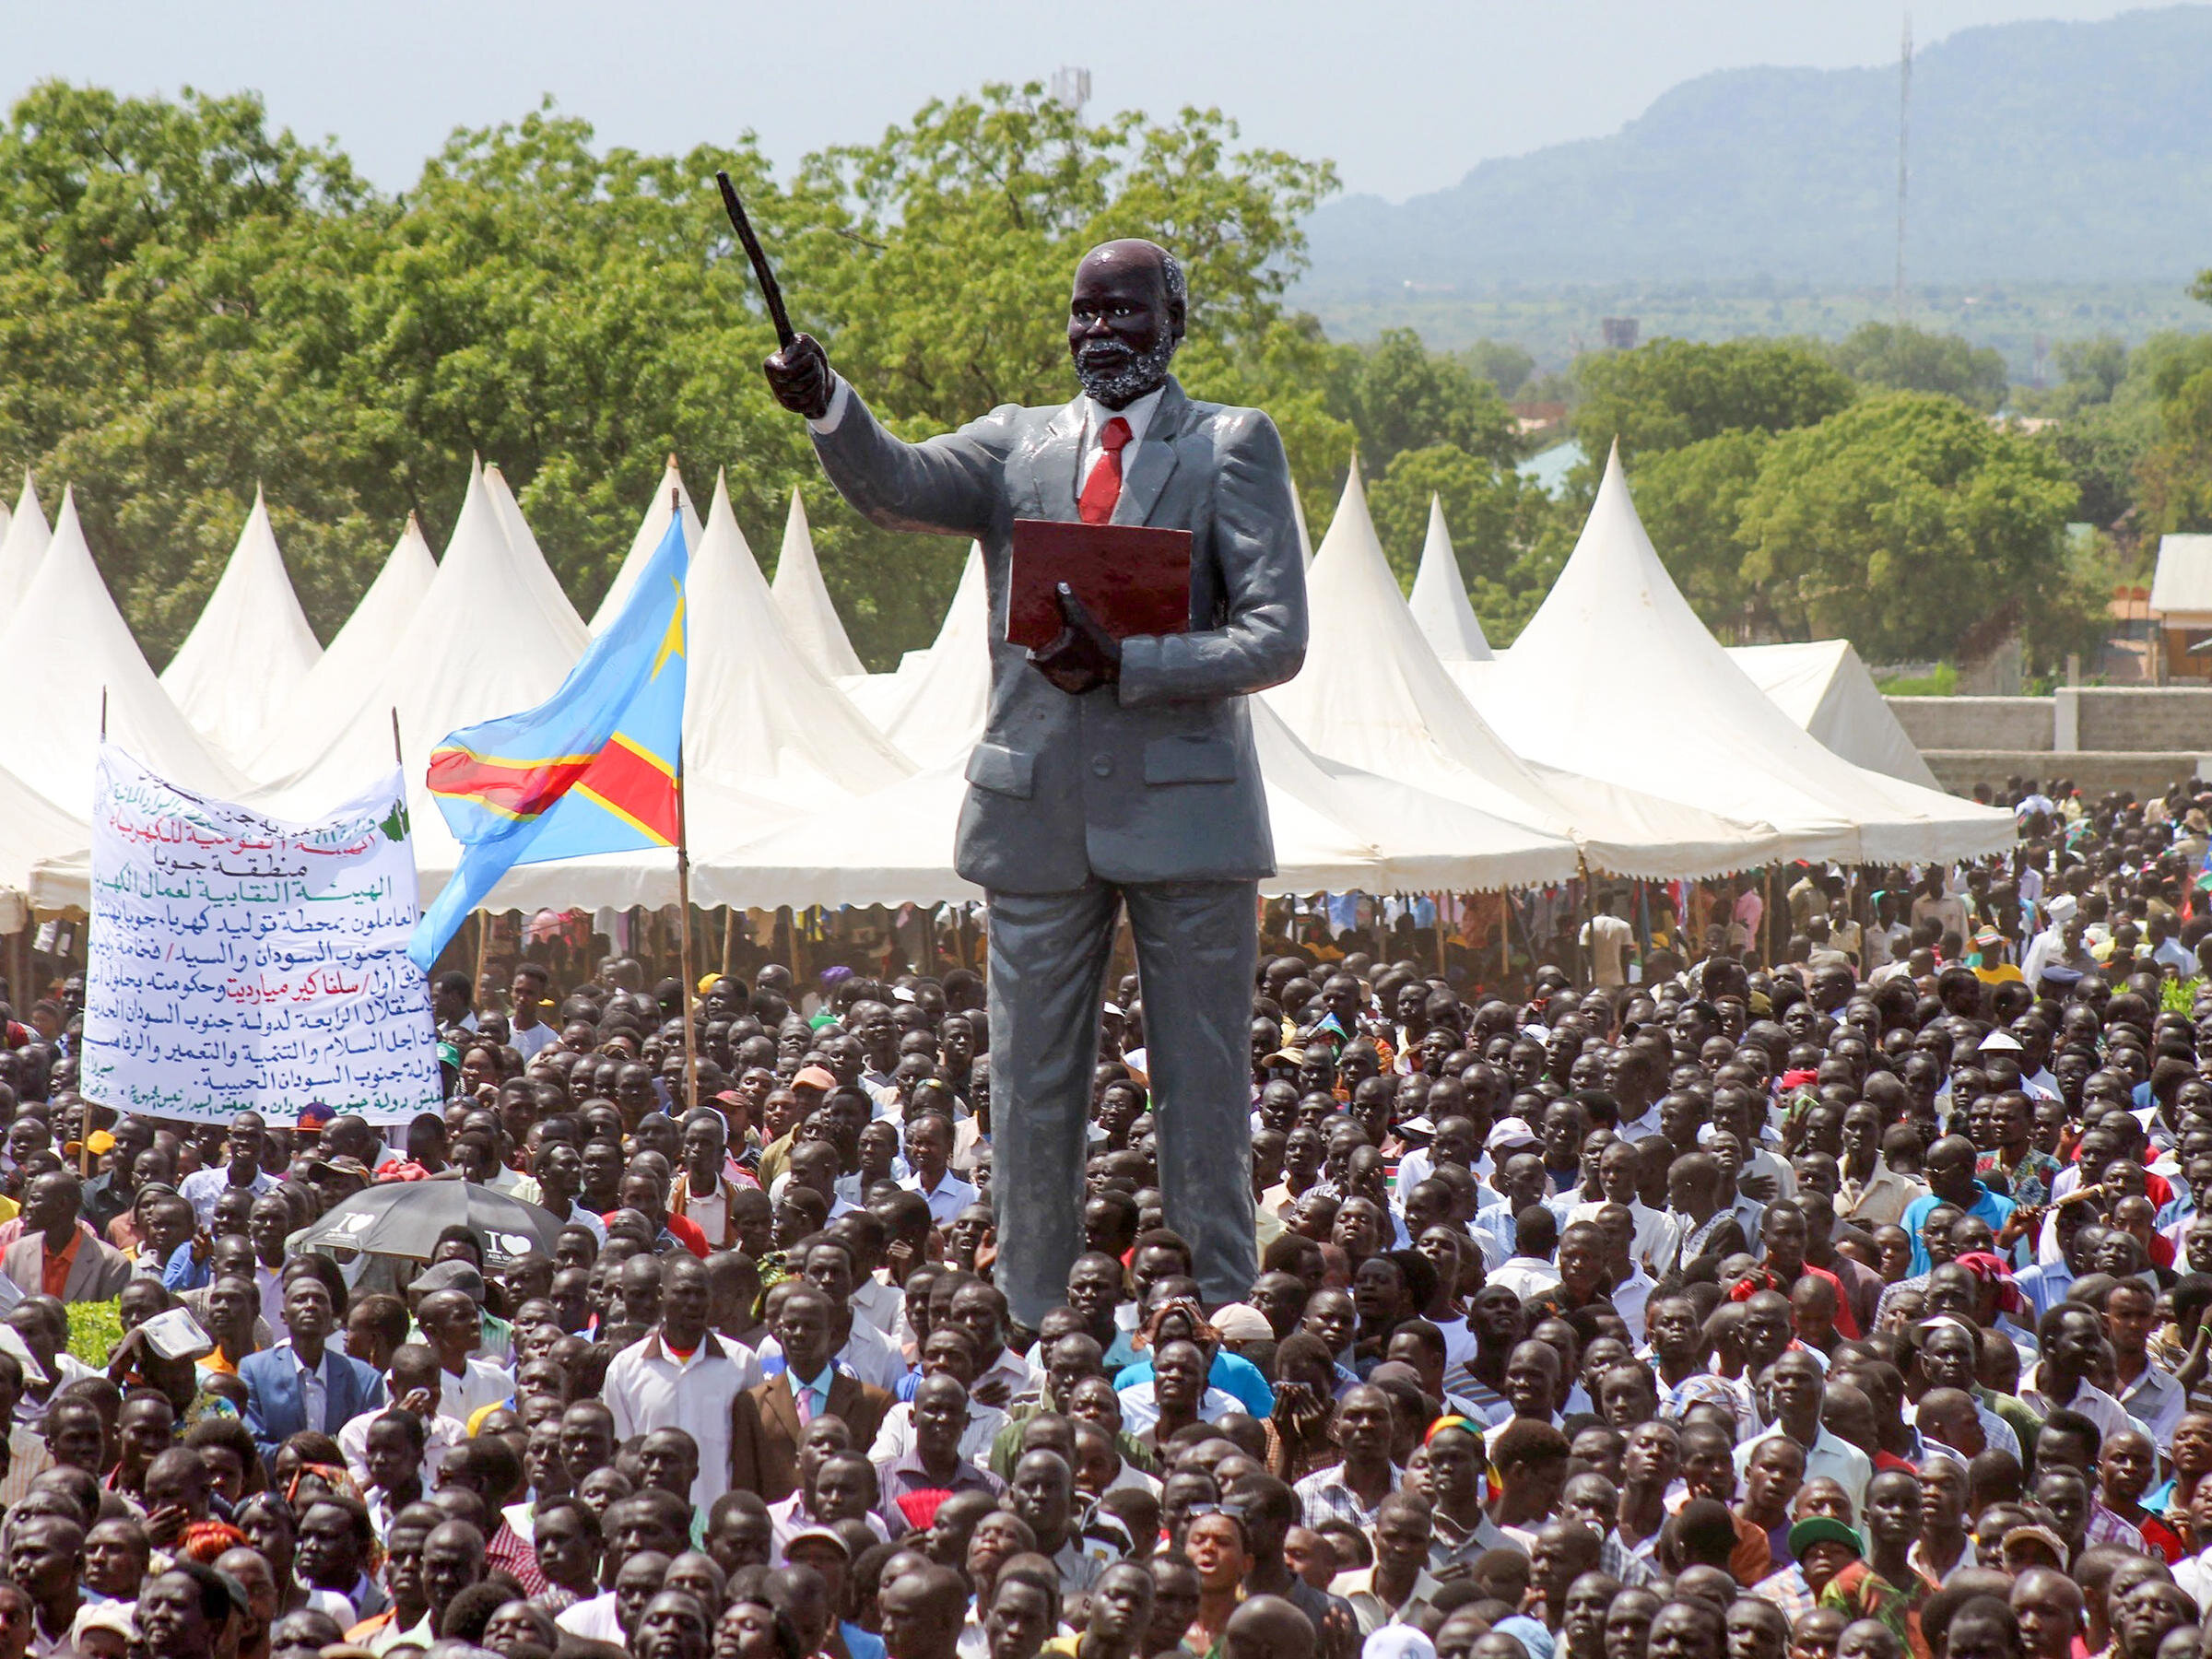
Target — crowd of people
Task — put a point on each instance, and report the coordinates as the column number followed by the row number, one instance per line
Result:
column 1847, row 1307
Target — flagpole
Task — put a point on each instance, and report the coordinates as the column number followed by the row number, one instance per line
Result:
column 683, row 889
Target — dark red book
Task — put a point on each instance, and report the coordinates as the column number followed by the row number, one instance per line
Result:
column 1134, row 579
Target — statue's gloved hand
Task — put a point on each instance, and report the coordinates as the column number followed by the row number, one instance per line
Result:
column 1084, row 656
column 799, row 375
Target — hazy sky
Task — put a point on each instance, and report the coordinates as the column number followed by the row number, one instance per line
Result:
column 1405, row 96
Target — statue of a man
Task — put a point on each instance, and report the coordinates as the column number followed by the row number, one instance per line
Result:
column 1111, row 773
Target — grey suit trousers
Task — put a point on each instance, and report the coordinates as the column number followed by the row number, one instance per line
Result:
column 1198, row 945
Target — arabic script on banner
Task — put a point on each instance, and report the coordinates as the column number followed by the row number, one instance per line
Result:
column 239, row 963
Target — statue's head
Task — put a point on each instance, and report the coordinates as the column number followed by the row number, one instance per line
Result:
column 1124, row 319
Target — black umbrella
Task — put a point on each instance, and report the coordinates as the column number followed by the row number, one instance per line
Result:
column 404, row 1218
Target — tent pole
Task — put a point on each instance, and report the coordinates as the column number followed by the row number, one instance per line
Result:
column 683, row 925
column 729, row 940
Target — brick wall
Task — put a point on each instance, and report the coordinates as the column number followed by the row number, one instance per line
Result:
column 2171, row 719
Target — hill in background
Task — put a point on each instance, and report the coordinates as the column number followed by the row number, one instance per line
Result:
column 2061, row 183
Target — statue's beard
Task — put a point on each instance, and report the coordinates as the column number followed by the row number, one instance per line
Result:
column 1116, row 376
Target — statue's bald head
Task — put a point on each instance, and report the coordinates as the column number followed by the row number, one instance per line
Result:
column 1125, row 318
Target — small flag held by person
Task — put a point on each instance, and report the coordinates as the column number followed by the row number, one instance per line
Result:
column 595, row 769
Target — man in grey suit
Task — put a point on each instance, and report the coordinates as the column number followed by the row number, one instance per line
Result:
column 1111, row 773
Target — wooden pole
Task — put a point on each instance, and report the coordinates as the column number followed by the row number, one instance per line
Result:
column 729, row 940
column 683, row 884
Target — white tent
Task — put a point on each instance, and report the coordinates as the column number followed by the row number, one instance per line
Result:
column 355, row 659
column 1440, row 603
column 1823, row 685
column 1373, row 694
column 1616, row 678
column 670, row 498
column 1335, row 828
column 23, row 541
column 242, row 667
column 531, row 576
column 764, row 737
column 483, row 641
column 65, row 645
column 1298, row 513
column 35, row 834
column 810, row 618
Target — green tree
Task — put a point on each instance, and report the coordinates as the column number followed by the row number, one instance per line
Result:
column 1494, row 514
column 1905, row 521
column 1502, row 362
column 190, row 302
column 1672, row 393
column 1691, row 502
column 1892, row 356
column 1400, row 395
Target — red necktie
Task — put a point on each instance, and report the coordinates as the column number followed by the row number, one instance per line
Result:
column 1103, row 488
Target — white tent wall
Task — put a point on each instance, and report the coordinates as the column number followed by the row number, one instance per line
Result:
column 1825, row 687
column 668, row 499
column 1440, row 603
column 22, row 548
column 1372, row 694
column 1614, row 677
column 809, row 618
column 241, row 669
column 66, row 647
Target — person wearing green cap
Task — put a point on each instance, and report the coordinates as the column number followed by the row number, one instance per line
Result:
column 1882, row 1584
column 1822, row 1547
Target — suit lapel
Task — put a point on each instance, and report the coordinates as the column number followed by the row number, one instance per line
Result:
column 1052, row 459
column 783, row 1406
column 1156, row 458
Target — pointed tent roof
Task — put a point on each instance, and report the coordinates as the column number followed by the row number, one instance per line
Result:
column 1440, row 603
column 65, row 645
column 1616, row 678
column 1823, row 685
column 939, row 713
column 757, row 715
column 22, row 546
column 1373, row 694
column 252, row 617
column 1297, row 513
column 443, row 672
column 532, row 578
column 653, row 527
column 808, row 616
column 358, row 655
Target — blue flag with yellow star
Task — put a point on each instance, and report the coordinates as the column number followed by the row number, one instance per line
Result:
column 592, row 769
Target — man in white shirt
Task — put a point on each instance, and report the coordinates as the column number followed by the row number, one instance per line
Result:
column 453, row 1327
column 1609, row 937
column 2071, row 1337
column 929, row 1150
column 682, row 1375
column 412, row 1384
column 526, row 1033
column 242, row 1169
column 1799, row 1382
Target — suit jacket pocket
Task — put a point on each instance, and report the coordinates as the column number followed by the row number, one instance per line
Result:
column 1190, row 760
column 1002, row 771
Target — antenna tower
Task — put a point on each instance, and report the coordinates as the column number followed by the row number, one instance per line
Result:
column 1904, row 131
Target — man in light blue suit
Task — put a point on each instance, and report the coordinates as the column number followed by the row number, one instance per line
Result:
column 303, row 1383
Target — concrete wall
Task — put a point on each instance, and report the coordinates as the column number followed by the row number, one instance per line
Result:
column 2169, row 718
column 1975, row 722
column 2094, row 771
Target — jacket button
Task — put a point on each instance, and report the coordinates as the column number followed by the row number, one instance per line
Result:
column 1102, row 765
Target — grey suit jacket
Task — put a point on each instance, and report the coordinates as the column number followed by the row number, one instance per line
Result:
column 1155, row 779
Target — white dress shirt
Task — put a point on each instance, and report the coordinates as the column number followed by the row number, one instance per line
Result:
column 315, row 1392
column 948, row 1198
column 648, row 1387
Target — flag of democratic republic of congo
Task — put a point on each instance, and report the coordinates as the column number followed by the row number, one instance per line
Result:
column 592, row 769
